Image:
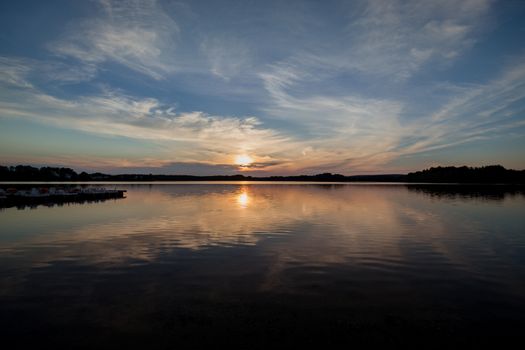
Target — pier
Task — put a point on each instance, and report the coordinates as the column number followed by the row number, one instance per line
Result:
column 15, row 197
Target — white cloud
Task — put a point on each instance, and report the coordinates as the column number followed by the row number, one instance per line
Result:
column 397, row 38
column 20, row 72
column 136, row 34
column 339, row 132
column 228, row 56
column 14, row 72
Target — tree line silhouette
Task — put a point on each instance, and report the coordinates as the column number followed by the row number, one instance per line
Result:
column 464, row 174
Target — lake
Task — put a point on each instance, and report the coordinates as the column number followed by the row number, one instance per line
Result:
column 262, row 264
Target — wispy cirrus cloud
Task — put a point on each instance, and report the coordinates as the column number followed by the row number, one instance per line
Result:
column 193, row 136
column 14, row 72
column 479, row 112
column 115, row 114
column 397, row 38
column 352, row 132
column 136, row 34
column 346, row 132
column 23, row 72
column 227, row 57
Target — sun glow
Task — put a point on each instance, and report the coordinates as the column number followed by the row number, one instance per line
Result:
column 243, row 160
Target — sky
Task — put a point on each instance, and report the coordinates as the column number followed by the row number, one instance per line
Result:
column 262, row 87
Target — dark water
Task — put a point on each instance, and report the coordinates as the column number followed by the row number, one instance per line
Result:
column 266, row 264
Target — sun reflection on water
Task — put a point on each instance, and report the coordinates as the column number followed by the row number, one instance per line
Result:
column 243, row 199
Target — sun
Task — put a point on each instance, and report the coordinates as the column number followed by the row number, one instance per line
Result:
column 243, row 160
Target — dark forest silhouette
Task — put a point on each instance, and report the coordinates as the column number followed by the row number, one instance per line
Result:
column 464, row 174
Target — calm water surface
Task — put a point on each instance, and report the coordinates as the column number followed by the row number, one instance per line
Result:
column 260, row 264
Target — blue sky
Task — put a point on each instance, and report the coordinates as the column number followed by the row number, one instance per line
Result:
column 298, row 86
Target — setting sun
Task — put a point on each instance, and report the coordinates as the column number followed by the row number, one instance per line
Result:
column 243, row 160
